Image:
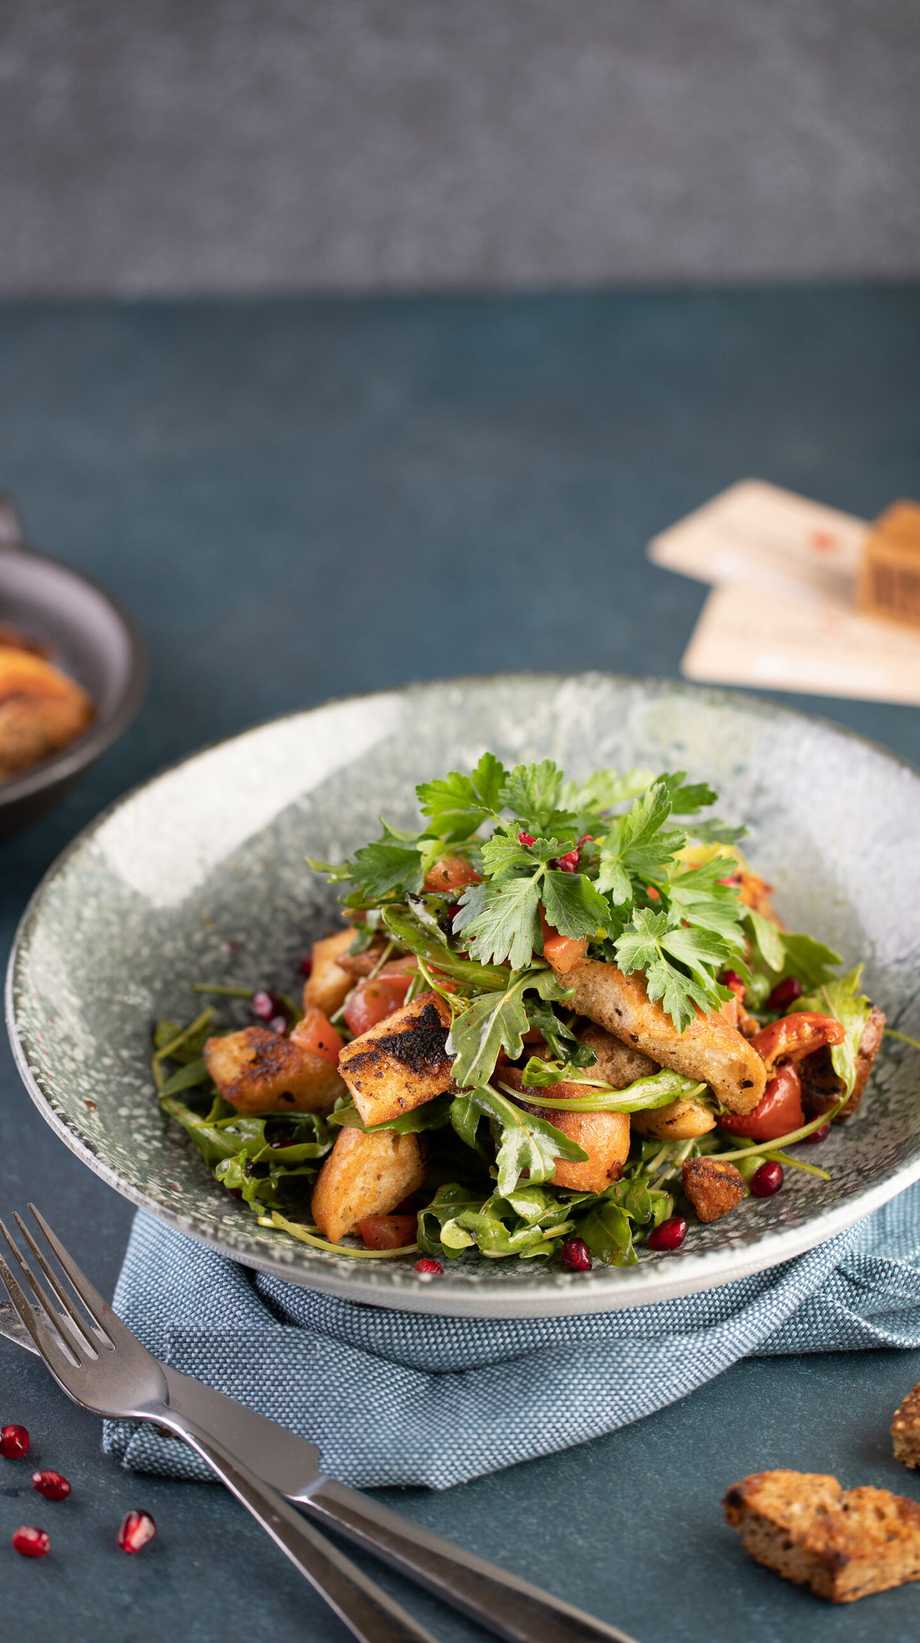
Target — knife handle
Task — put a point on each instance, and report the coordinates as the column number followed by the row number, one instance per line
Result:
column 505, row 1604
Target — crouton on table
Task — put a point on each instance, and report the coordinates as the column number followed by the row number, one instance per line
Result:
column 842, row 1543
column 905, row 1429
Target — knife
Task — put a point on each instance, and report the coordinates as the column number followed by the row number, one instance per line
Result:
column 506, row 1605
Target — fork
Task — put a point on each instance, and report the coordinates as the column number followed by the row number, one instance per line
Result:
column 101, row 1365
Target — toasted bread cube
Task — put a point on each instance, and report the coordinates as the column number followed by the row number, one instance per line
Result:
column 905, row 1429
column 365, row 1175
column 41, row 710
column 844, row 1544
column 714, row 1188
column 401, row 1063
column 604, row 1136
column 328, row 985
column 257, row 1070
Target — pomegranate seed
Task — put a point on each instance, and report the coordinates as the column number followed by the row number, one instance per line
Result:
column 429, row 1267
column 278, row 1024
column 820, row 1134
column 784, row 993
column 31, row 1542
column 526, row 838
column 137, row 1528
column 51, row 1484
column 767, row 1180
column 306, row 966
column 569, row 862
column 14, row 1442
column 576, row 1255
column 263, row 1006
column 670, row 1235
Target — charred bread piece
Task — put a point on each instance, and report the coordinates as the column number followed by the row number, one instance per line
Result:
column 328, row 984
column 821, row 1087
column 364, row 1175
column 604, row 1136
column 401, row 1063
column 714, row 1188
column 710, row 1049
column 905, row 1429
column 257, row 1070
column 41, row 710
column 620, row 1066
column 843, row 1544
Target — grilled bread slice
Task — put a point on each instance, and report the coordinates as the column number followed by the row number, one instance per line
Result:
column 401, row 1063
column 257, row 1070
column 364, row 1175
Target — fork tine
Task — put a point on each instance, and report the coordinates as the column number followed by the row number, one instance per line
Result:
column 32, row 1319
column 98, row 1309
column 78, row 1319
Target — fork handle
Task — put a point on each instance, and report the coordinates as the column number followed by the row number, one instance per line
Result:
column 502, row 1602
column 362, row 1606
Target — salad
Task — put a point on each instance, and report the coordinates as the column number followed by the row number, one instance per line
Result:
column 562, row 1021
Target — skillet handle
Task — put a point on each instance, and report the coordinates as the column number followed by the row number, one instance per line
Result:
column 12, row 530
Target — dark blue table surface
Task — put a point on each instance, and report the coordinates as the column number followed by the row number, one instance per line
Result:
column 305, row 498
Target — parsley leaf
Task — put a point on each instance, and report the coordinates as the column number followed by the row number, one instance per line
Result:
column 392, row 862
column 533, row 792
column 649, row 944
column 499, row 921
column 605, row 789
column 638, row 845
column 457, row 805
column 699, row 897
column 573, row 906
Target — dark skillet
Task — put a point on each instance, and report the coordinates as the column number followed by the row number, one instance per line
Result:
column 87, row 635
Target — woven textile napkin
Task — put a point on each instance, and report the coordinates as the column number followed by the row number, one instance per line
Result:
column 457, row 1397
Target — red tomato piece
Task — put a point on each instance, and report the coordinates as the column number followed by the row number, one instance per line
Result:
column 317, row 1034
column 564, row 952
column 778, row 1112
column 451, row 873
column 387, row 1231
column 373, row 1001
column 795, row 1036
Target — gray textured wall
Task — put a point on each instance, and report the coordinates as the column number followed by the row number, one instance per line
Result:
column 238, row 144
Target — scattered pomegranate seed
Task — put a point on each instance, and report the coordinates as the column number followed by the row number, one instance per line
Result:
column 732, row 980
column 137, row 1528
column 569, row 862
column 14, row 1442
column 306, row 966
column 767, row 1180
column 820, row 1134
column 31, row 1542
column 263, row 1006
column 576, row 1255
column 278, row 1024
column 429, row 1267
column 526, row 838
column 784, row 993
column 670, row 1235
column 51, row 1484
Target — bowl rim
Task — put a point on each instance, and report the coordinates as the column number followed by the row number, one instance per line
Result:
column 611, row 1290
column 104, row 730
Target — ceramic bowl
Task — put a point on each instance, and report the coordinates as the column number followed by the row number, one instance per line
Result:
column 200, row 875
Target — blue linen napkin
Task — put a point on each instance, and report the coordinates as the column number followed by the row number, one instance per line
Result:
column 457, row 1397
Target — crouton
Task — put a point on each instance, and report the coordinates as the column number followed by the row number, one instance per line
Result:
column 905, row 1429
column 41, row 710
column 710, row 1049
column 681, row 1120
column 328, row 985
column 257, row 1070
column 843, row 1544
column 401, row 1063
column 365, row 1175
column 618, row 1063
column 714, row 1188
column 604, row 1136
column 821, row 1087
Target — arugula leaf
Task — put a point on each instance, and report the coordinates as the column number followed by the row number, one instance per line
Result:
column 500, row 920
column 842, row 999
column 533, row 792
column 527, row 1222
column 560, row 1039
column 786, row 953
column 405, row 930
column 527, row 1143
column 432, row 1116
column 457, row 805
column 494, row 1022
column 573, row 906
column 656, row 1090
column 186, row 1078
column 607, row 1229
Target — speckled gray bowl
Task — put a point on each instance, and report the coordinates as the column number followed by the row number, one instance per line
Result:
column 200, row 874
